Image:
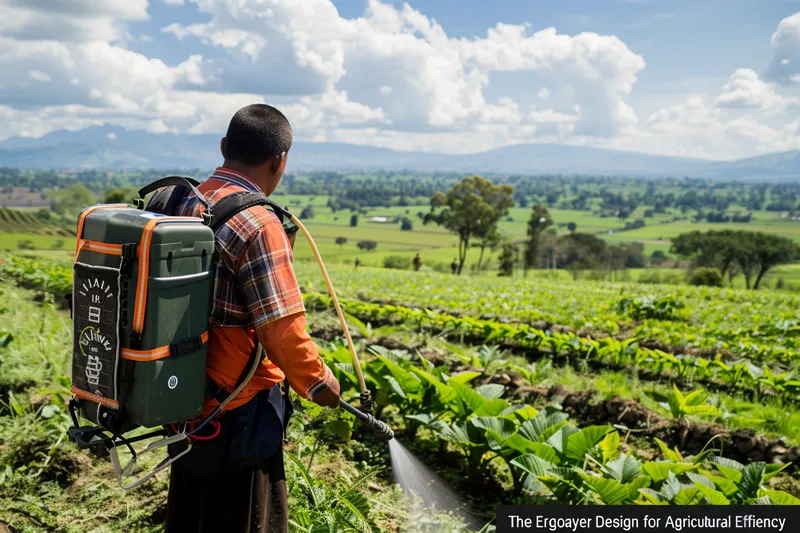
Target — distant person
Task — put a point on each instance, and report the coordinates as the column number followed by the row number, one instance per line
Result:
column 454, row 266
column 358, row 262
column 417, row 262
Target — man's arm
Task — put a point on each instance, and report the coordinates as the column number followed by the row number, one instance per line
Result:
column 289, row 346
column 270, row 289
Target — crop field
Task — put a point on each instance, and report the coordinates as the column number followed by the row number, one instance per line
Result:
column 531, row 391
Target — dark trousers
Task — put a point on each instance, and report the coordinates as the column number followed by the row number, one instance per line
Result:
column 236, row 482
column 253, row 500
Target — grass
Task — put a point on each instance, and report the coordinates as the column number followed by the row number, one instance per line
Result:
column 47, row 484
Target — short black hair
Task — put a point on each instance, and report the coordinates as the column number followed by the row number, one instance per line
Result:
column 256, row 134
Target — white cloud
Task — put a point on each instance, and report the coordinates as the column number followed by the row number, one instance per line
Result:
column 391, row 77
column 785, row 66
column 437, row 81
column 745, row 89
column 73, row 21
column 112, row 136
column 38, row 75
column 174, row 2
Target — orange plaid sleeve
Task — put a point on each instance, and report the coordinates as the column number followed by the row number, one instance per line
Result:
column 269, row 287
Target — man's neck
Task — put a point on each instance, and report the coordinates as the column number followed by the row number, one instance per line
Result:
column 244, row 170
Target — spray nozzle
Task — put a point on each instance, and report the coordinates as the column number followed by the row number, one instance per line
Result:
column 382, row 431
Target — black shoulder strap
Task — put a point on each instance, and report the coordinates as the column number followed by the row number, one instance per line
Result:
column 228, row 207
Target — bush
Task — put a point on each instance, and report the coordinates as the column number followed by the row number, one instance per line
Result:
column 354, row 221
column 367, row 245
column 406, row 224
column 780, row 284
column 399, row 262
column 650, row 307
column 26, row 244
column 708, row 277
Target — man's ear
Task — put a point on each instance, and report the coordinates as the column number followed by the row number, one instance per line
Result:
column 222, row 147
column 278, row 164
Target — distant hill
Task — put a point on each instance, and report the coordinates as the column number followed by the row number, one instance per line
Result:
column 116, row 148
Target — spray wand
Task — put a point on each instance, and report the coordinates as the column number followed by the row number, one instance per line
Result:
column 364, row 414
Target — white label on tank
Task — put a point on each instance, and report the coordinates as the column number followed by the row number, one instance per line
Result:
column 172, row 382
column 147, row 214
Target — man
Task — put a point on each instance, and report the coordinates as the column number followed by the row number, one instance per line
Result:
column 417, row 262
column 235, row 481
column 454, row 266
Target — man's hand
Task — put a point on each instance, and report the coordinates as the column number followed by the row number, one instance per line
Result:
column 329, row 397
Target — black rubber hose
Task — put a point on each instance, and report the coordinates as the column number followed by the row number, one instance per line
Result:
column 383, row 431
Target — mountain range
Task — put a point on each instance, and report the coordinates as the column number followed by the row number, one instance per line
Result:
column 116, row 148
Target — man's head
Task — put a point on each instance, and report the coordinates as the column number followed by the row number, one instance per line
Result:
column 257, row 144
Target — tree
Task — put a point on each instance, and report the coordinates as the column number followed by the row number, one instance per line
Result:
column 771, row 251
column 508, row 253
column 754, row 253
column 471, row 209
column 572, row 227
column 406, row 224
column 367, row 245
column 341, row 241
column 119, row 196
column 658, row 257
column 540, row 220
column 307, row 213
column 73, row 199
column 354, row 221
column 579, row 251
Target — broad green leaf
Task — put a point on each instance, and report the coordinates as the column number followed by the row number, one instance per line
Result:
column 520, row 412
column 752, row 478
column 565, row 491
column 559, row 439
column 672, row 455
column 688, row 496
column 713, row 496
column 396, row 387
column 463, row 378
column 726, row 486
column 502, row 427
column 339, row 428
column 446, row 393
column 491, row 407
column 779, row 497
column 652, row 496
column 659, row 471
column 580, row 443
column 610, row 446
column 694, row 398
column 459, row 434
column 634, row 486
column 625, row 469
column 520, row 444
column 491, row 391
column 533, row 464
column 699, row 410
column 469, row 399
column 541, row 427
column 609, row 490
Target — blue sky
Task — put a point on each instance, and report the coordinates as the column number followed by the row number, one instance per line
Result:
column 703, row 78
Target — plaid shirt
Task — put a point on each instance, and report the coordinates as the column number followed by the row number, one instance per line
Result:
column 255, row 284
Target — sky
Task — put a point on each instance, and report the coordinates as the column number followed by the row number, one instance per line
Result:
column 697, row 78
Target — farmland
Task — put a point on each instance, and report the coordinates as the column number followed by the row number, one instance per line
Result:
column 544, row 390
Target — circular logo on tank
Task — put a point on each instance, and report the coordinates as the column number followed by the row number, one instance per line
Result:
column 172, row 382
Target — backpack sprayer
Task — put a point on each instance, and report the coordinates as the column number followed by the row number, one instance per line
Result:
column 140, row 305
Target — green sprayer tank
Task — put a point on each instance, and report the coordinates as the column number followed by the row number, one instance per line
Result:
column 137, row 270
